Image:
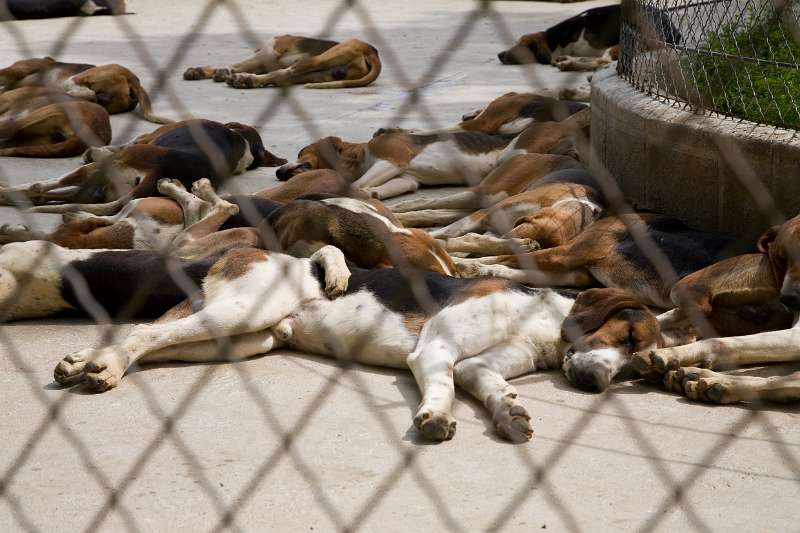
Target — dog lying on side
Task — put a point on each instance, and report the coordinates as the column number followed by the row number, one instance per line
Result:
column 41, row 9
column 186, row 151
column 478, row 333
column 751, row 301
column 607, row 253
column 511, row 177
column 292, row 59
column 113, row 86
column 552, row 212
column 35, row 122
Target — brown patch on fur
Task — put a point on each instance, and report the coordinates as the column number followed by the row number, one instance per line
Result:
column 414, row 323
column 236, row 263
column 162, row 210
column 482, row 287
column 517, row 173
column 94, row 233
column 324, row 181
column 182, row 310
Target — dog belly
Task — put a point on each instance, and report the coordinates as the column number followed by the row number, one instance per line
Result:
column 354, row 327
column 448, row 165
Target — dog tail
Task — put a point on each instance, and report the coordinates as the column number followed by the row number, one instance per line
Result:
column 144, row 103
column 374, row 63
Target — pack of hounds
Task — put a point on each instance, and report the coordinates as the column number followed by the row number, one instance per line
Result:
column 531, row 266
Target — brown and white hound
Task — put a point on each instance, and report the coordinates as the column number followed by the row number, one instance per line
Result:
column 39, row 122
column 397, row 162
column 474, row 333
column 751, row 301
column 608, row 252
column 511, row 177
column 112, row 86
column 292, row 59
column 552, row 212
column 186, row 151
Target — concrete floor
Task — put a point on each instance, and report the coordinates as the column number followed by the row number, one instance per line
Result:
column 610, row 462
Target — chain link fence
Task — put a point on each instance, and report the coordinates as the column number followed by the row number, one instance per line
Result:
column 735, row 58
column 259, row 456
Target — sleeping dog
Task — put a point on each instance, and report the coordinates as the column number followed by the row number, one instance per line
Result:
column 751, row 302
column 112, row 86
column 586, row 41
column 476, row 333
column 610, row 252
column 186, row 151
column 38, row 122
column 292, row 59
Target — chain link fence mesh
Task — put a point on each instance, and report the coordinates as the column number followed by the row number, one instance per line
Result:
column 404, row 462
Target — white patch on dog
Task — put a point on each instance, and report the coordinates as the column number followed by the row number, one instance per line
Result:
column 596, row 209
column 580, row 47
column 357, row 206
column 73, row 89
column 441, row 262
column 445, row 163
column 246, row 160
column 515, row 126
column 34, row 268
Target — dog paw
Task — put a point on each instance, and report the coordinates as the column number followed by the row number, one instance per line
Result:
column 193, row 73
column 437, row 426
column 241, row 81
column 166, row 186
column 69, row 370
column 522, row 246
column 511, row 420
column 103, row 373
column 704, row 385
column 222, row 74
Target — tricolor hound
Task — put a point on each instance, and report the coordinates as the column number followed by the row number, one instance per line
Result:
column 755, row 297
column 391, row 164
column 186, row 151
column 112, row 86
column 608, row 251
column 291, row 59
column 476, row 333
column 40, row 9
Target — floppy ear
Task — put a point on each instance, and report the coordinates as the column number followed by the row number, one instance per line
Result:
column 765, row 240
column 592, row 308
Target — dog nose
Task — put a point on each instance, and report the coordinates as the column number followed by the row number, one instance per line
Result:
column 791, row 299
column 502, row 57
column 283, row 173
column 587, row 381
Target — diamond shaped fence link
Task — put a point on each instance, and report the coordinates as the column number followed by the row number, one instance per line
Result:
column 286, row 437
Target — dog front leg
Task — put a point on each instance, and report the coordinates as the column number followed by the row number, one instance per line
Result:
column 484, row 377
column 430, row 217
column 761, row 348
column 459, row 200
column 475, row 222
column 393, row 187
column 432, row 365
column 475, row 243
column 378, row 174
column 108, row 208
column 706, row 385
column 337, row 274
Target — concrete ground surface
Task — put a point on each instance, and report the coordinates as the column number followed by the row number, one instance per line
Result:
column 253, row 445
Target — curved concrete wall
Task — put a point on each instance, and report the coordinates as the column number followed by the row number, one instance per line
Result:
column 713, row 173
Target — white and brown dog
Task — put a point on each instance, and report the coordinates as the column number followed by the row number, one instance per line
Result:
column 478, row 333
column 292, row 59
column 755, row 299
column 112, row 86
column 394, row 163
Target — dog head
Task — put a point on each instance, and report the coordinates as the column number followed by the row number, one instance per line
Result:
column 531, row 48
column 330, row 152
column 605, row 327
column 261, row 156
column 782, row 245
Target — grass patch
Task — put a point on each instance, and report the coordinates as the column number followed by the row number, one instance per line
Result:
column 760, row 93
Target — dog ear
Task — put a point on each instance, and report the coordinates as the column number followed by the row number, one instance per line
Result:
column 592, row 308
column 766, row 239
